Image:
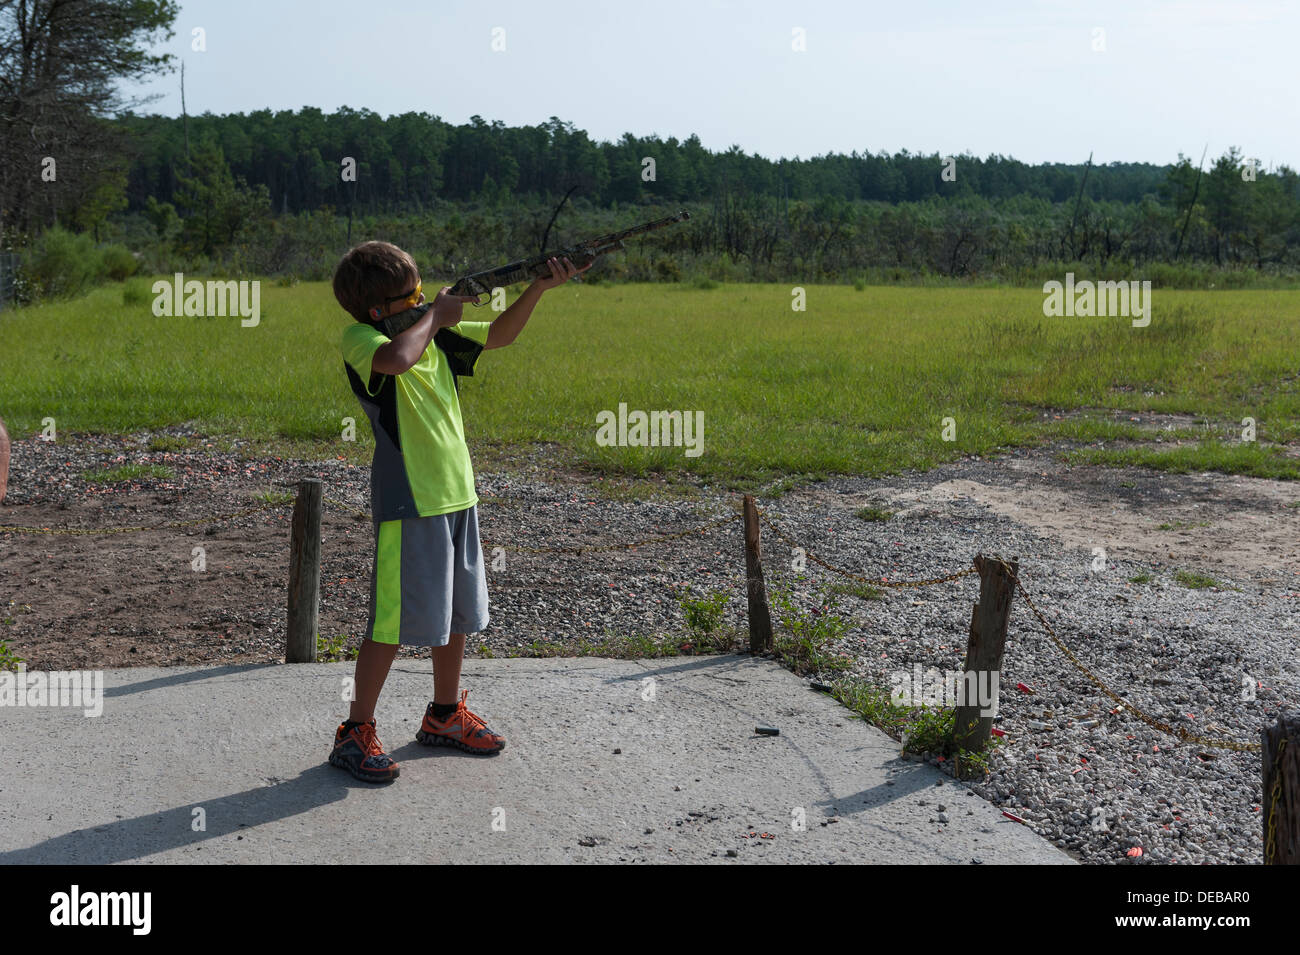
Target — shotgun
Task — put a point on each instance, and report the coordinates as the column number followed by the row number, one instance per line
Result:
column 482, row 283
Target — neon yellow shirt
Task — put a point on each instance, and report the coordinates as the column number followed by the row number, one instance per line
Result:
column 421, row 465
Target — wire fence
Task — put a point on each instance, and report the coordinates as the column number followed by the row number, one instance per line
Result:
column 728, row 515
column 1273, row 800
column 1176, row 732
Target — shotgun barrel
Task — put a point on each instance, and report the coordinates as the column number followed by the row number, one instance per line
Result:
column 482, row 283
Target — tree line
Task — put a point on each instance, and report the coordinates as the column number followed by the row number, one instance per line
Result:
column 823, row 218
column 283, row 192
column 405, row 162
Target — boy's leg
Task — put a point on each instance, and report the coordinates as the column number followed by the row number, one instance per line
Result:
column 356, row 743
column 373, row 663
column 446, row 670
column 467, row 591
column 447, row 720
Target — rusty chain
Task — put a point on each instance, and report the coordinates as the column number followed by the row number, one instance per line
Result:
column 1176, row 732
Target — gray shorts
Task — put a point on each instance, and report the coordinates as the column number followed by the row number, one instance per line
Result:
column 428, row 580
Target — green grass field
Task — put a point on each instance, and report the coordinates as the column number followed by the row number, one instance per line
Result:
column 859, row 382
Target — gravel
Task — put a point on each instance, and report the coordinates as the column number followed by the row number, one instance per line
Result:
column 1080, row 770
column 1083, row 772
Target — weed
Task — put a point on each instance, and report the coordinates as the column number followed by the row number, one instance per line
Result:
column 1197, row 581
column 8, row 659
column 857, row 588
column 126, row 472
column 804, row 647
column 703, row 614
column 335, row 649
column 167, row 442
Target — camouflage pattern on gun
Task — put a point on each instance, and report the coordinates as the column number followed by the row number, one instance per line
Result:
column 482, row 283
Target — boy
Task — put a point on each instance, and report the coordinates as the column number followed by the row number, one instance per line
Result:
column 428, row 588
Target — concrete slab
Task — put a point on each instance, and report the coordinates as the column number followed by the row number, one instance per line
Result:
column 246, row 745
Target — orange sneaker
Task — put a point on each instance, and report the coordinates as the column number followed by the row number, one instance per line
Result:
column 461, row 729
column 360, row 753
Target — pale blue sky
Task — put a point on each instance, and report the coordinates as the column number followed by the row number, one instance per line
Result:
column 1014, row 77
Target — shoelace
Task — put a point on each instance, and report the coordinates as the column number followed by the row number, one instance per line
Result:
column 469, row 721
column 370, row 739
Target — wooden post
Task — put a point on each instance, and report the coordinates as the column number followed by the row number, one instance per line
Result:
column 1280, row 749
column 760, row 620
column 304, row 573
column 4, row 459
column 988, row 637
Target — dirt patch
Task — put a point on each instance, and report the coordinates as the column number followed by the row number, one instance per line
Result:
column 72, row 600
column 1145, row 420
column 1223, row 525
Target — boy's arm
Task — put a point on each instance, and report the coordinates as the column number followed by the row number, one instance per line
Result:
column 400, row 353
column 506, row 328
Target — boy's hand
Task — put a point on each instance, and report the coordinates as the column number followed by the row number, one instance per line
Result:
column 560, row 273
column 447, row 308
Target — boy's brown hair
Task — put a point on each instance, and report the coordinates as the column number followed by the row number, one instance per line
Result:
column 370, row 273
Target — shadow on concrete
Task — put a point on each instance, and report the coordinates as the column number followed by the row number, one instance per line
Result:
column 197, row 675
column 696, row 663
column 128, row 839
column 905, row 777
column 417, row 750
